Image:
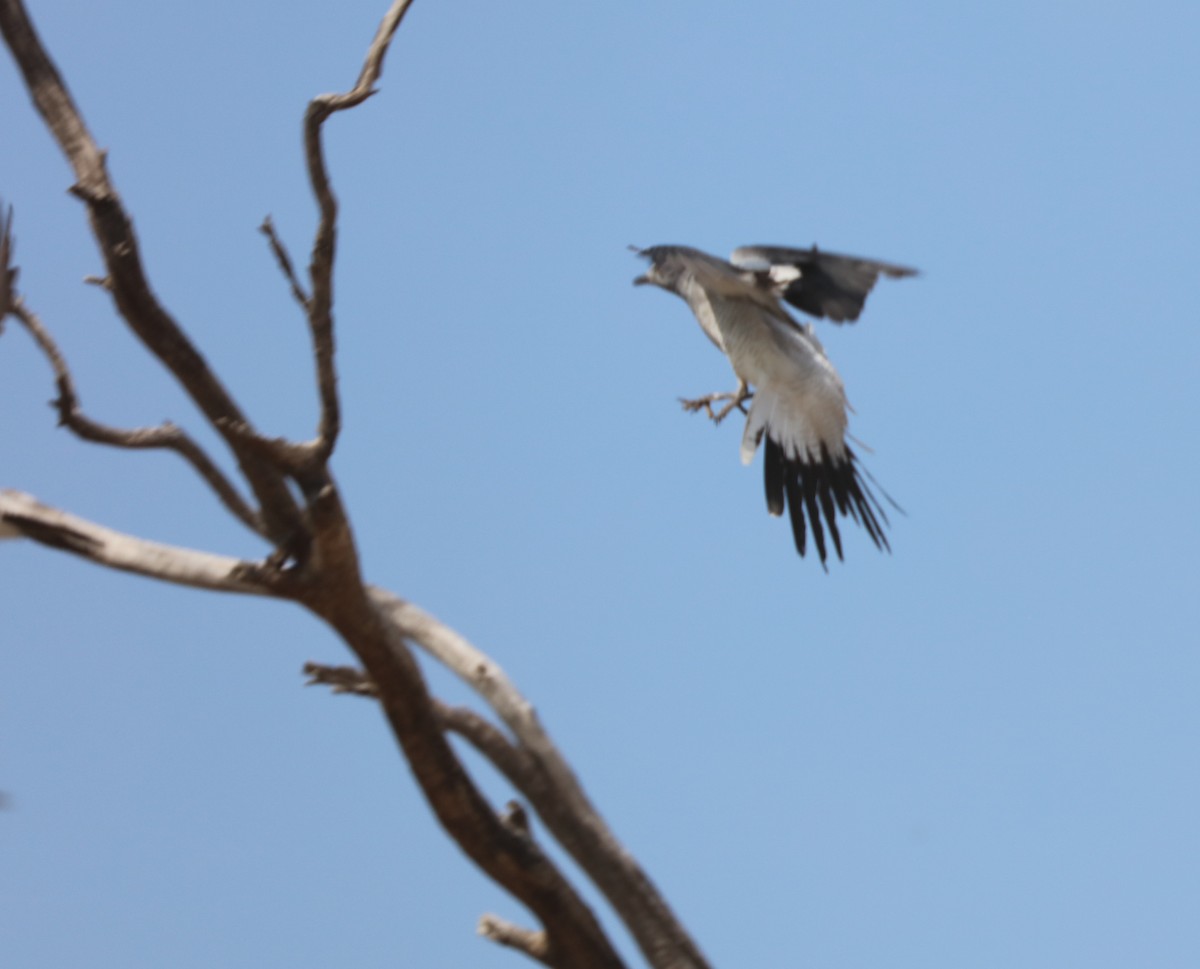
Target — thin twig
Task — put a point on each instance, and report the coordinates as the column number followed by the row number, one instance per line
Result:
column 285, row 262
column 8, row 273
column 131, row 291
column 166, row 436
column 341, row 679
column 320, row 306
column 533, row 944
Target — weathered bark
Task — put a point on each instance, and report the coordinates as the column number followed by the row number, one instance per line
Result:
column 298, row 509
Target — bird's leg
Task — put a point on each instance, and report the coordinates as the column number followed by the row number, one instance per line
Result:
column 736, row 399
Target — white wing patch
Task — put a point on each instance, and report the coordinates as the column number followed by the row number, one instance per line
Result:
column 783, row 275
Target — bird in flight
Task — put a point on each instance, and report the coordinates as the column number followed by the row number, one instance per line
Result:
column 798, row 403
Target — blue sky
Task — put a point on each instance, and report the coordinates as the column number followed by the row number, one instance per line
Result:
column 977, row 751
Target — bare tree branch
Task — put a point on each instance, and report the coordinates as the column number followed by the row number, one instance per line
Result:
column 557, row 795
column 514, row 763
column 324, row 568
column 532, row 943
column 131, row 291
column 306, row 457
column 517, row 763
column 340, row 679
column 576, row 940
column 8, row 273
column 22, row 515
column 165, row 436
column 285, row 262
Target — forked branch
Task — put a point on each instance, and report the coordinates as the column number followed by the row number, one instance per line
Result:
column 315, row 454
column 135, row 300
column 165, row 436
column 554, row 791
column 324, row 574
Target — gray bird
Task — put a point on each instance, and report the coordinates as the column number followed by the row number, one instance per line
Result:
column 799, row 403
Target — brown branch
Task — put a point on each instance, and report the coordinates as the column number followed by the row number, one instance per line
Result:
column 330, row 585
column 340, row 679
column 285, row 262
column 555, row 793
column 320, row 270
column 503, row 849
column 279, row 452
column 8, row 273
column 23, row 516
column 306, row 460
column 165, row 436
column 327, row 580
column 134, row 299
column 515, row 818
column 513, row 762
column 513, row 860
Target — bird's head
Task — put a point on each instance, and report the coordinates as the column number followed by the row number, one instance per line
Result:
column 664, row 271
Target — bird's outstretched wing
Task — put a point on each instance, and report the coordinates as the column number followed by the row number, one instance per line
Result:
column 822, row 284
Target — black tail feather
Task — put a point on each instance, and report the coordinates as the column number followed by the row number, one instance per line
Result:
column 795, row 500
column 810, row 483
column 774, row 470
column 817, row 490
column 826, row 496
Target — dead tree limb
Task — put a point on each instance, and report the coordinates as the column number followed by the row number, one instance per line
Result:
column 316, row 563
column 23, row 516
column 553, row 789
column 165, row 436
column 131, row 291
column 285, row 262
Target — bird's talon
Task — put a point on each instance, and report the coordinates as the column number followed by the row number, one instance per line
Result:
column 695, row 406
column 735, row 399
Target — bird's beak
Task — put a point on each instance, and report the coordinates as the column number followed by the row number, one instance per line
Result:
column 642, row 281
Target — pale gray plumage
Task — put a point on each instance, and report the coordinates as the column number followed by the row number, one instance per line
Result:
column 799, row 404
